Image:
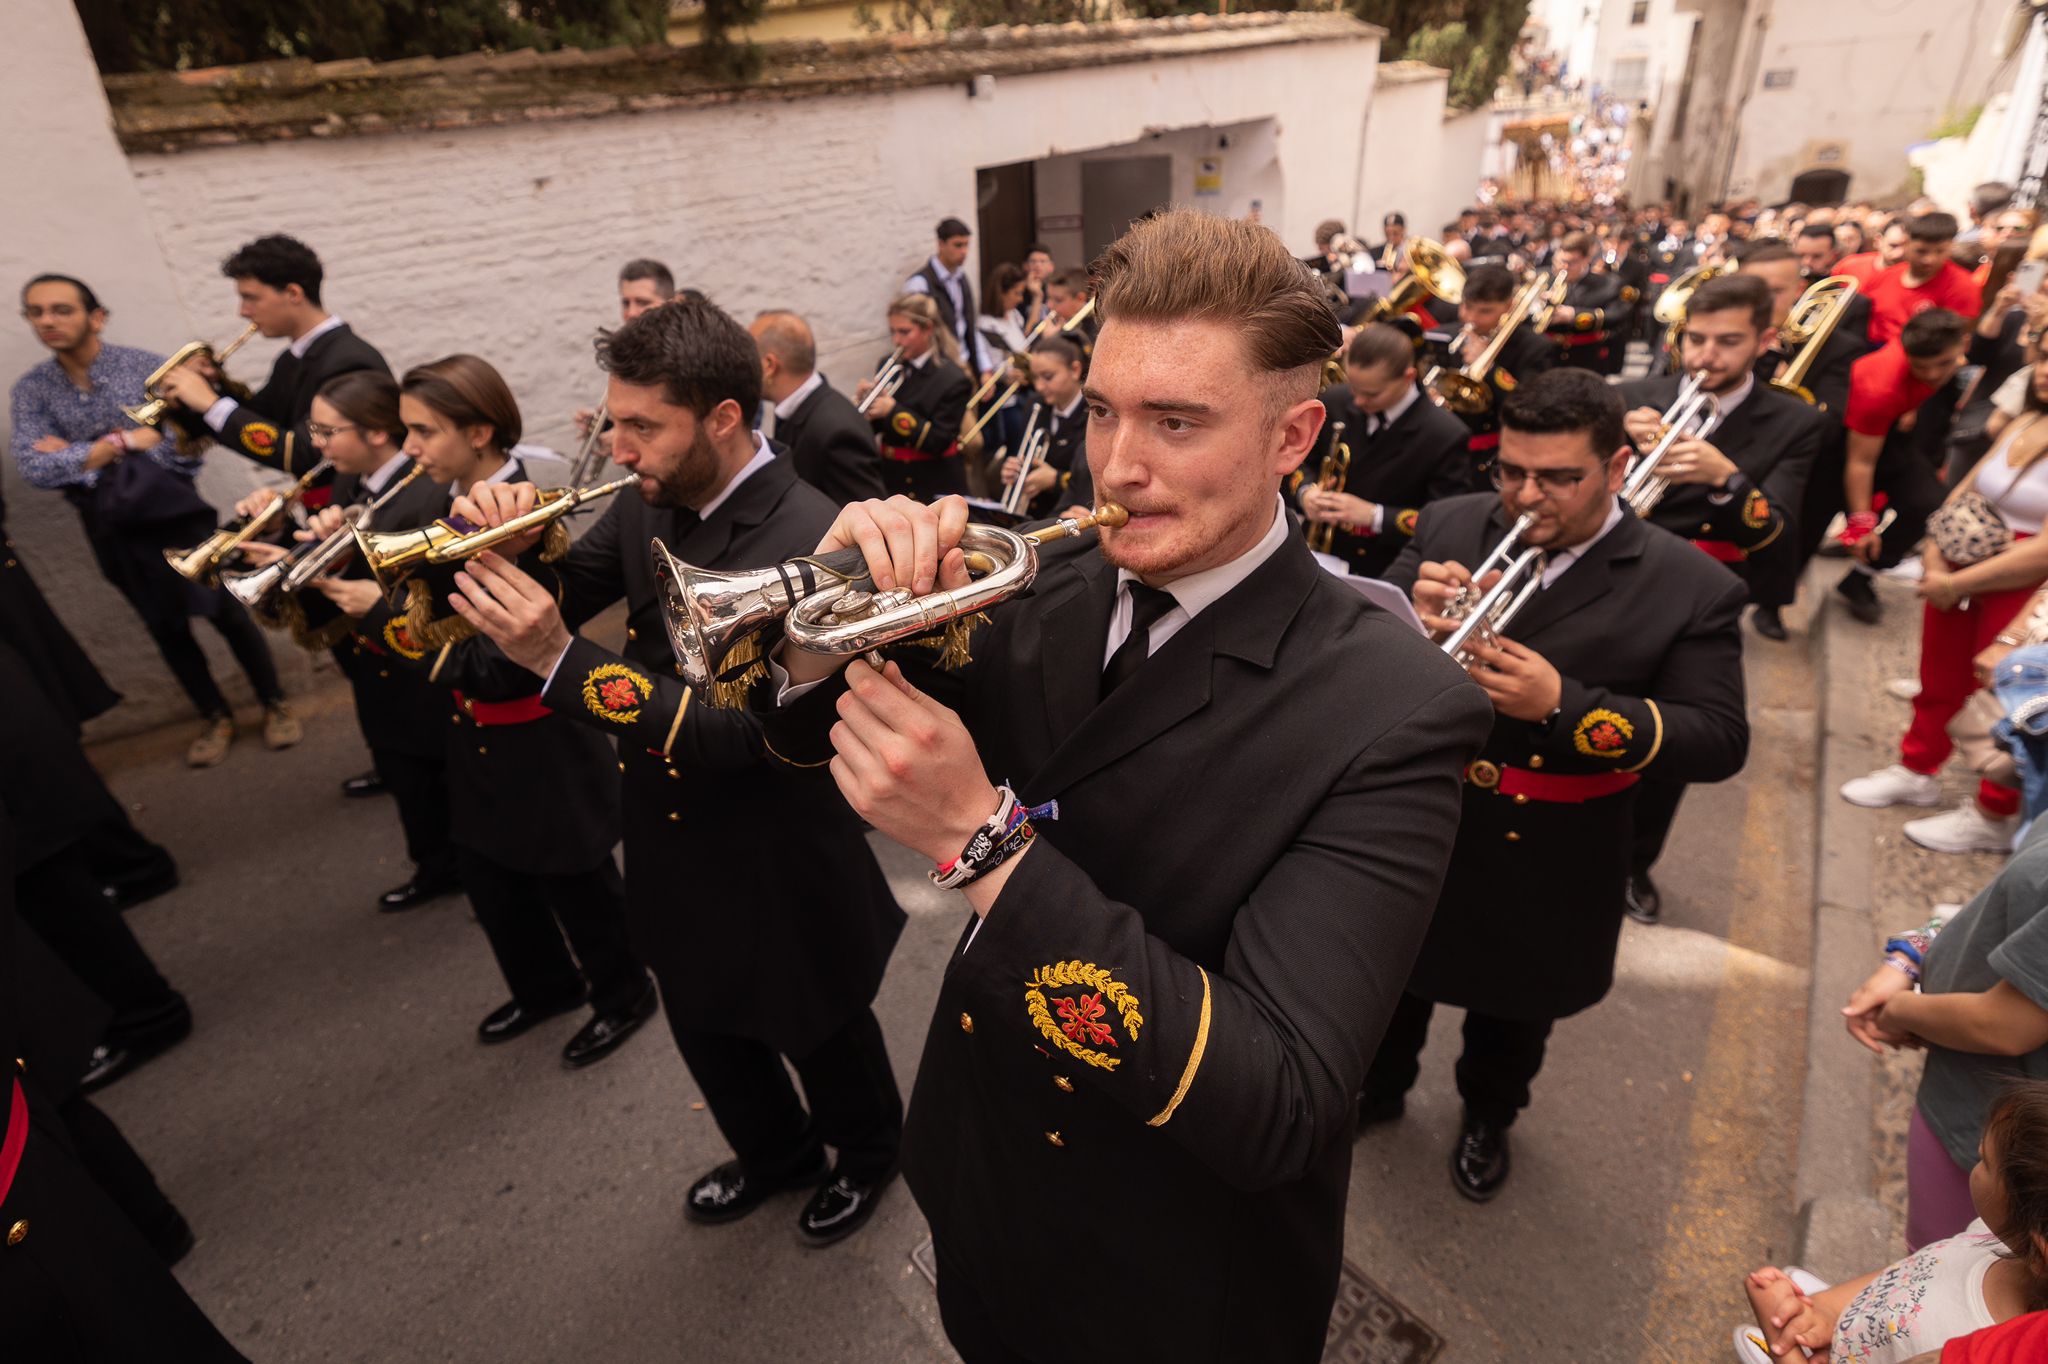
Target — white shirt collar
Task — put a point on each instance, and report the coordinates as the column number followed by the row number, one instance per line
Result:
column 950, row 276
column 921, row 361
column 384, row 473
column 1393, row 414
column 1197, row 590
column 1068, row 411
column 305, row 343
column 507, row 471
column 1728, row 402
column 763, row 457
column 785, row 409
column 1555, row 566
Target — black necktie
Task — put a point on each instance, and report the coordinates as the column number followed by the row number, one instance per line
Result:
column 1374, row 423
column 1148, row 604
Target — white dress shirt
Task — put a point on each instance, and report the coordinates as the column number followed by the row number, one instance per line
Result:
column 1556, row 564
column 1192, row 593
column 217, row 415
column 785, row 409
column 384, row 473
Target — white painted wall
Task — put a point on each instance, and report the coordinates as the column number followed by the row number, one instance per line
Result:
column 79, row 214
column 1248, row 155
column 1401, row 170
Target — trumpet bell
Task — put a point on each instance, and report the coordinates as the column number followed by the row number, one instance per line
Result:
column 392, row 556
column 1461, row 392
column 252, row 588
column 201, row 563
column 708, row 612
column 1433, row 266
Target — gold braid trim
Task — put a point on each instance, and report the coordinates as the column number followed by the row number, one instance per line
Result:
column 554, row 543
column 1067, row 973
column 953, row 641
column 419, row 619
column 1187, row 1076
column 730, row 693
column 1657, row 738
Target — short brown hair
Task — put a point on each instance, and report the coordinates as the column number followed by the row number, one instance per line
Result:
column 699, row 356
column 2016, row 1129
column 1187, row 266
column 1377, row 345
column 367, row 398
column 468, row 392
column 1578, row 243
column 1728, row 293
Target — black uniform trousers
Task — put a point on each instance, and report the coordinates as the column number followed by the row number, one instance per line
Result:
column 1655, row 809
column 855, row 1107
column 419, row 785
column 526, row 914
column 60, row 899
column 1494, row 1072
column 969, row 1329
column 84, row 1284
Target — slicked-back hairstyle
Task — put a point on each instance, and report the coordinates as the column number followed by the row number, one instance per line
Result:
column 697, row 355
column 1818, row 230
column 1073, row 281
column 1567, row 400
column 787, row 337
column 1377, row 345
column 1936, row 331
column 278, row 261
column 1184, row 266
column 467, row 392
column 652, row 270
column 1578, row 243
column 1489, row 284
column 1057, row 348
column 367, row 399
column 1725, row 293
column 1931, row 227
column 86, row 297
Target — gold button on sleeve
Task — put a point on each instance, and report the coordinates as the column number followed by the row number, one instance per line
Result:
column 1065, row 1085
column 1056, row 1139
column 18, row 1233
column 1514, row 837
column 967, row 1023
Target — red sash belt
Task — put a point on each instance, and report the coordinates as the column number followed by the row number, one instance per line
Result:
column 362, row 642
column 1485, row 440
column 313, row 499
column 17, row 1137
column 1660, row 279
column 1722, row 550
column 1583, row 339
column 1557, row 788
column 523, row 711
column 903, row 454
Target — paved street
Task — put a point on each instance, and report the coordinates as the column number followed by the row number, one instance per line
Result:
column 369, row 1184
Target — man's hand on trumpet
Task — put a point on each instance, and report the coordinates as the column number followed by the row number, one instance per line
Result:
column 908, row 544
column 518, row 614
column 1342, row 509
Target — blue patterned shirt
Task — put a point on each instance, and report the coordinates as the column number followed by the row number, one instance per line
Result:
column 47, row 403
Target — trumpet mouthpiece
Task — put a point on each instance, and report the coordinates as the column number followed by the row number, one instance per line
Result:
column 1111, row 515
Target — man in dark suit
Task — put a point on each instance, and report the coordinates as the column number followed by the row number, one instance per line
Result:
column 751, row 890
column 1488, row 297
column 1628, row 661
column 1405, row 451
column 944, row 277
column 832, row 446
column 1159, row 1013
column 1732, row 493
column 278, row 281
column 1589, row 326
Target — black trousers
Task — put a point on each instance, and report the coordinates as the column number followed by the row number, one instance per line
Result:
column 1500, row 1060
column 420, row 788
column 187, row 661
column 525, row 917
column 969, row 1327
column 60, row 899
column 1656, row 808
column 121, row 1173
column 1910, row 481
column 121, row 856
column 84, row 1284
column 855, row 1106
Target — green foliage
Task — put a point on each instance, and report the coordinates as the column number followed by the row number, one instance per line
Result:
column 1472, row 39
column 148, row 35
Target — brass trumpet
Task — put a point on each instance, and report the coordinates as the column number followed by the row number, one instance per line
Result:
column 1430, row 272
column 1466, row 390
column 202, row 562
column 393, row 556
column 888, row 379
column 264, row 589
column 1808, row 326
column 1483, row 617
column 1694, row 413
column 827, row 602
column 1330, row 478
column 150, row 410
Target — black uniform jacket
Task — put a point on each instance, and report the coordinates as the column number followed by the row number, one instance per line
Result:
column 832, row 446
column 1420, row 458
column 398, row 709
column 1155, row 1041
column 1066, row 450
column 929, row 409
column 1643, row 630
column 1773, row 440
column 541, row 796
column 1526, row 355
column 1587, row 324
column 270, row 427
column 1828, row 379
column 68, row 676
column 751, row 879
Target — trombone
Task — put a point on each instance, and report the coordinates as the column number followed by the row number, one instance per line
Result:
column 888, row 379
column 1808, row 326
column 586, row 464
column 150, row 410
column 201, row 563
column 828, row 604
column 262, row 590
column 393, row 556
column 1336, row 467
column 1466, row 390
column 1692, row 415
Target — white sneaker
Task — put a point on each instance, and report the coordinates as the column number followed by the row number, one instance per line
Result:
column 1964, row 829
column 1909, row 569
column 1894, row 785
column 1904, row 688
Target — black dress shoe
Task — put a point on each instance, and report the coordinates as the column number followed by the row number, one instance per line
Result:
column 507, row 1021
column 1479, row 1162
column 363, row 785
column 1641, row 901
column 1374, row 1112
column 729, row 1193
column 601, row 1036
column 1860, row 597
column 1766, row 621
column 840, row 1209
column 129, row 1042
column 160, row 879
column 417, row 891
column 173, row 1240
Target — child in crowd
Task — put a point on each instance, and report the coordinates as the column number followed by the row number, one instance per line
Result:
column 1995, row 1271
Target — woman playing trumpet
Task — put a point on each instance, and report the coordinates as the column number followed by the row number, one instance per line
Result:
column 918, row 426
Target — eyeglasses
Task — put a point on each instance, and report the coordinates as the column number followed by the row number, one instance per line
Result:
column 322, row 434
column 1552, row 482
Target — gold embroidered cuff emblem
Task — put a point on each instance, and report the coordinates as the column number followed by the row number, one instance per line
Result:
column 615, row 692
column 259, row 438
column 400, row 639
column 1082, row 1026
column 904, row 423
column 1602, row 734
column 1756, row 513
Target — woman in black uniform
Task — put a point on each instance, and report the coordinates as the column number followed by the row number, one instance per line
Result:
column 918, row 427
column 535, row 810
